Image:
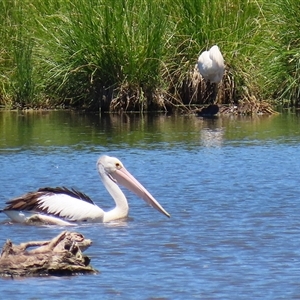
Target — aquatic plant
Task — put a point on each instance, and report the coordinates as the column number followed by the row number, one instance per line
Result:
column 104, row 47
column 17, row 68
column 141, row 55
column 281, row 56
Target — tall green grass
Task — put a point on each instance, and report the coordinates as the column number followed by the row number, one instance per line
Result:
column 281, row 53
column 17, row 66
column 93, row 48
column 92, row 53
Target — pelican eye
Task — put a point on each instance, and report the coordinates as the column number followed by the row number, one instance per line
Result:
column 118, row 166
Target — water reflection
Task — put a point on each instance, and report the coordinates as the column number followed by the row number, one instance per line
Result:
column 212, row 137
column 64, row 128
column 212, row 133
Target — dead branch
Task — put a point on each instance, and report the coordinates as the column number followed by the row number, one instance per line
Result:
column 60, row 256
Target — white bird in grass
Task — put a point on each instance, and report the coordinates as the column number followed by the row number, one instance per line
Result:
column 62, row 206
column 211, row 65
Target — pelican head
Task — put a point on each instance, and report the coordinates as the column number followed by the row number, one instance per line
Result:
column 113, row 172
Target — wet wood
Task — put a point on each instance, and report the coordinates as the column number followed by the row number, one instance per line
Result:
column 60, row 256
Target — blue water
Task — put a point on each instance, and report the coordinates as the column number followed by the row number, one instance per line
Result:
column 231, row 186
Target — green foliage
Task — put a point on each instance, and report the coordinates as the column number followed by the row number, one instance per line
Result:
column 16, row 56
column 23, row 84
column 91, row 46
column 281, row 63
column 82, row 51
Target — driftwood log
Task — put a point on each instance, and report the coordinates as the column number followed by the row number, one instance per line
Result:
column 60, row 256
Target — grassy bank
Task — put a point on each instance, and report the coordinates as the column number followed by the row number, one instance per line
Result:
column 140, row 55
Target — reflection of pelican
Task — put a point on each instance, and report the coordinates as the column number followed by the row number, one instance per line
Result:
column 211, row 68
column 212, row 137
column 62, row 206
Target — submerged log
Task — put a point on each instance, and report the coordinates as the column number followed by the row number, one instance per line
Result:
column 60, row 256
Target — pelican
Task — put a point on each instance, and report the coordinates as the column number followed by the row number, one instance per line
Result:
column 63, row 206
column 211, row 65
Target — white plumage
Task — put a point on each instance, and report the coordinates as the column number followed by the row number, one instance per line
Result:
column 71, row 210
column 211, row 65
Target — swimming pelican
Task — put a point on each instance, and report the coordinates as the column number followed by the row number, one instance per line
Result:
column 211, row 64
column 62, row 206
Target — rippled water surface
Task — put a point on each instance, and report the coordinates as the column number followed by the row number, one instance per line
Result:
column 231, row 185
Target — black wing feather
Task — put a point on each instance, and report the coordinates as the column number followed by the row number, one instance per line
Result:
column 30, row 201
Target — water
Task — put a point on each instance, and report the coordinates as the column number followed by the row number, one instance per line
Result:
column 231, row 185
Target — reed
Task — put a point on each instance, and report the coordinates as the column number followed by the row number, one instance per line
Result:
column 18, row 87
column 23, row 76
column 98, row 47
column 139, row 54
column 6, row 57
column 281, row 56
